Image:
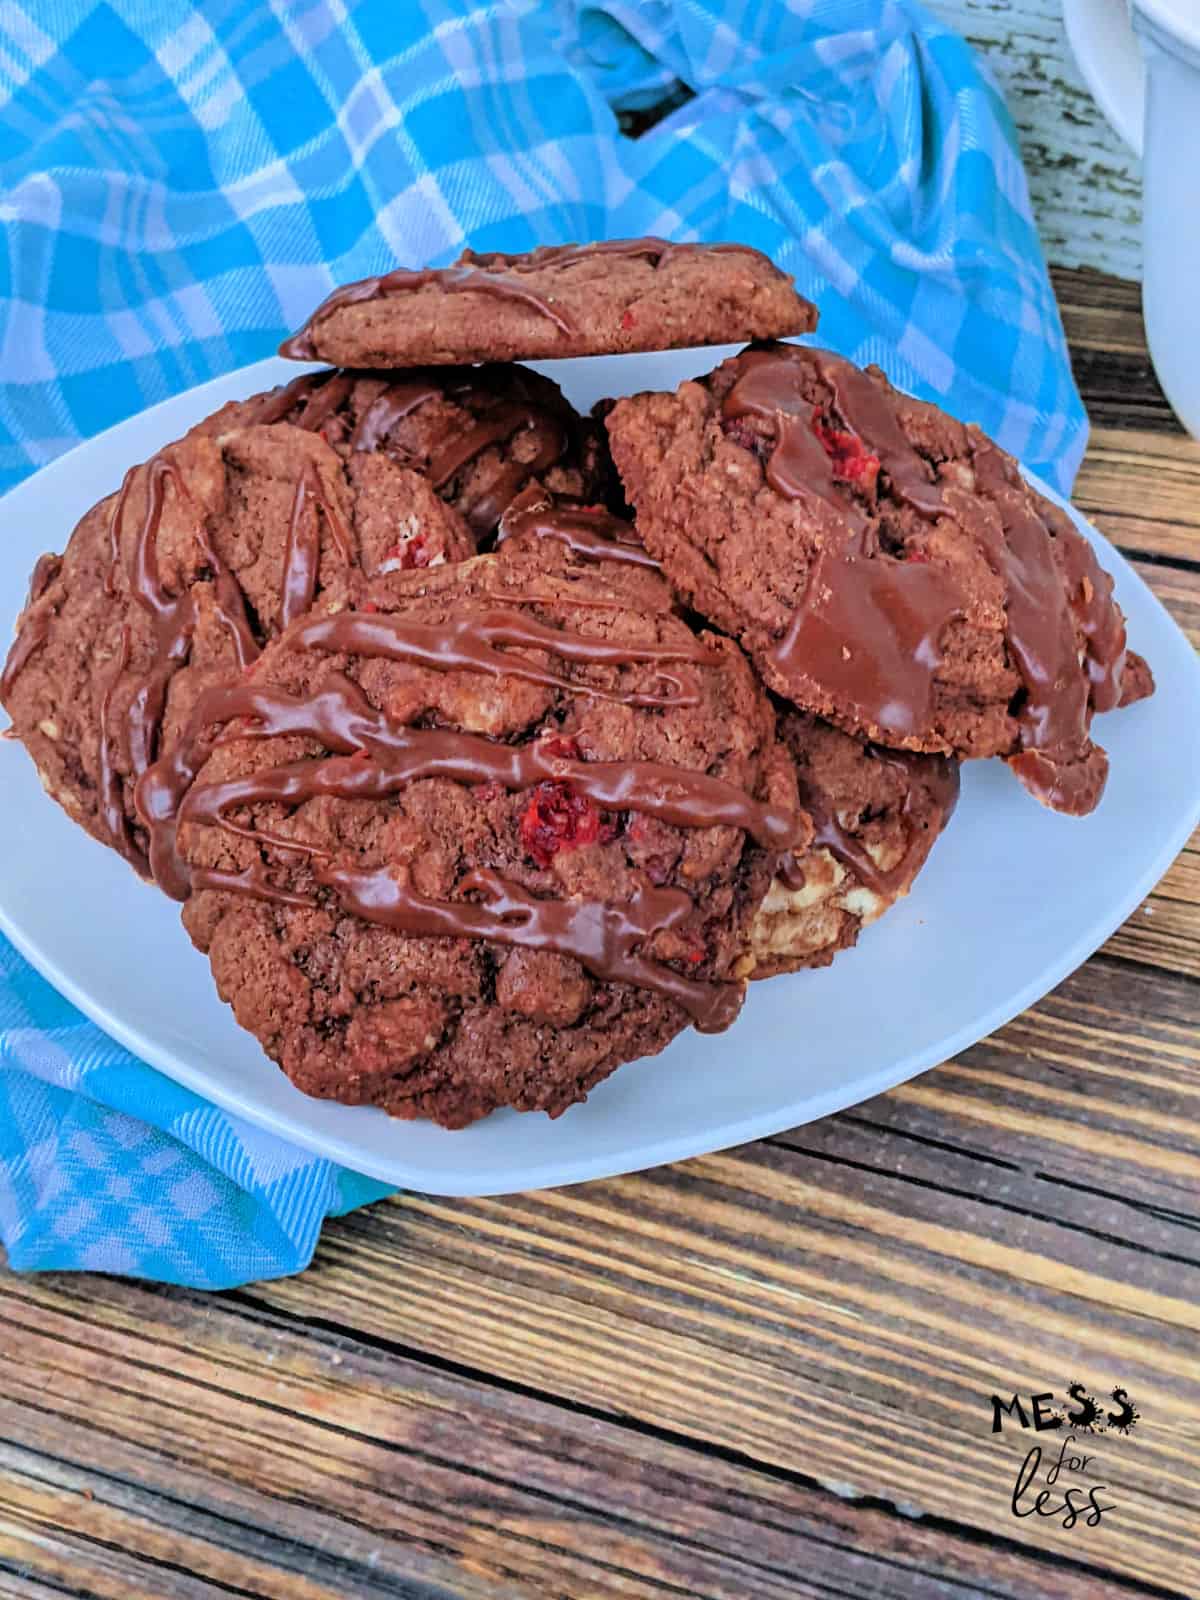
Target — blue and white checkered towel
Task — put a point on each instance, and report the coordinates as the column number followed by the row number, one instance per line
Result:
column 180, row 185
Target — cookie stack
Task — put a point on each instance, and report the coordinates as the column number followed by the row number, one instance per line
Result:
column 487, row 745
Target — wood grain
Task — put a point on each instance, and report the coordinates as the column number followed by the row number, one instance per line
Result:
column 843, row 1301
column 763, row 1373
column 248, row 1453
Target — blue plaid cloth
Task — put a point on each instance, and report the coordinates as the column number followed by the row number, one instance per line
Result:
column 178, row 188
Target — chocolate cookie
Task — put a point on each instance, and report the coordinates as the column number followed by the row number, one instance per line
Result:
column 885, row 566
column 563, row 300
column 209, row 550
column 479, row 434
column 579, row 536
column 483, row 845
column 876, row 815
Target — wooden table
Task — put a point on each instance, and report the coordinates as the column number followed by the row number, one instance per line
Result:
column 764, row 1373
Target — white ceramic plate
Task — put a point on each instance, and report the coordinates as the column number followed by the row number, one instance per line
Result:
column 1012, row 900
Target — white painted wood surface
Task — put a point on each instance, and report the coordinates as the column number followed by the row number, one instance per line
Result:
column 1085, row 183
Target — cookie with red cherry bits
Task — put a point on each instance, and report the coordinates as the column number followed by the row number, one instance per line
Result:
column 560, row 300
column 482, row 845
column 886, row 567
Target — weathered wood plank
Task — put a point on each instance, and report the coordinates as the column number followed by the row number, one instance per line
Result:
column 1100, row 313
column 1142, row 489
column 851, row 1325
column 168, row 1446
column 1084, row 183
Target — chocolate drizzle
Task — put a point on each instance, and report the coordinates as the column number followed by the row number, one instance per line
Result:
column 397, row 401
column 602, row 938
column 451, row 280
column 933, row 780
column 658, row 252
column 869, row 627
column 173, row 616
column 1057, row 762
column 36, row 626
column 785, row 384
column 594, row 535
column 374, row 757
column 302, row 553
column 252, row 881
column 474, row 644
column 498, row 274
column 301, row 556
column 280, row 403
column 544, row 437
column 343, row 719
column 333, row 393
column 869, row 630
column 115, row 517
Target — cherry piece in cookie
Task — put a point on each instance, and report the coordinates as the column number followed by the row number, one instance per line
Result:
column 557, row 818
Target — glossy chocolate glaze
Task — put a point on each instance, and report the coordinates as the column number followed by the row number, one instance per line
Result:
column 932, row 778
column 341, row 718
column 869, row 627
column 473, row 643
column 545, row 440
column 397, row 401
column 34, row 629
column 173, row 619
column 31, row 637
column 546, row 437
column 658, row 252
column 602, row 938
column 252, row 881
column 301, row 556
column 594, row 535
column 335, row 389
column 453, row 280
column 230, row 603
column 277, row 405
column 474, row 272
column 1044, row 607
column 115, row 519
